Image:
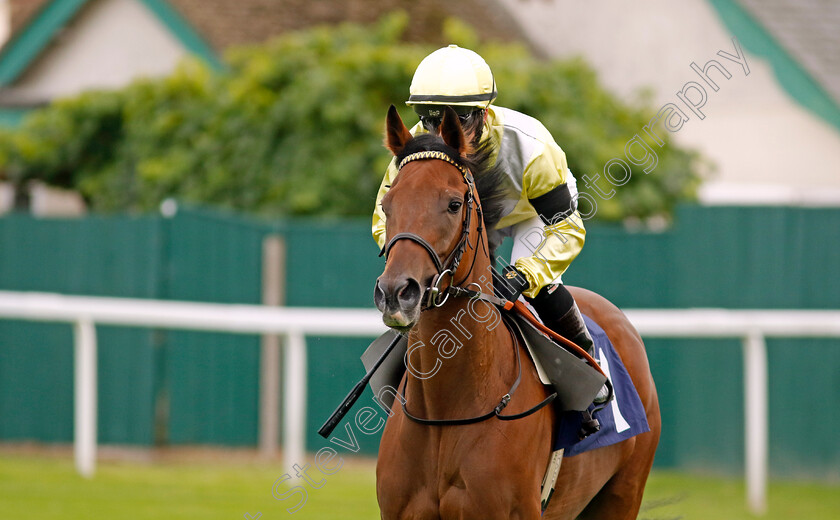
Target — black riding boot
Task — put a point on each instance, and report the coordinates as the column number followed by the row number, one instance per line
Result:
column 559, row 312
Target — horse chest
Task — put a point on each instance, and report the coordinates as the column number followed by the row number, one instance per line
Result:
column 446, row 497
column 440, row 477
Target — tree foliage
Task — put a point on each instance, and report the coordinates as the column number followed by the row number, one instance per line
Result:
column 294, row 127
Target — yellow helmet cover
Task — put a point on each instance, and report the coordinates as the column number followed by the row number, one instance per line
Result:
column 452, row 76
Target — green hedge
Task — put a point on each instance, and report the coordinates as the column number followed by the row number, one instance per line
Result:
column 294, row 127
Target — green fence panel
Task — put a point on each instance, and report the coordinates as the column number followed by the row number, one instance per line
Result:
column 818, row 258
column 631, row 269
column 333, row 264
column 36, row 382
column 213, row 388
column 211, row 380
column 181, row 387
column 701, row 400
column 758, row 257
column 333, row 369
column 804, row 384
column 126, row 373
column 113, row 256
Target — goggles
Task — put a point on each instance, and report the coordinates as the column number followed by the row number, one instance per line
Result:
column 432, row 115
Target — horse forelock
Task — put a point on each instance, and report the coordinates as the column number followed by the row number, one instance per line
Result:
column 489, row 177
column 429, row 143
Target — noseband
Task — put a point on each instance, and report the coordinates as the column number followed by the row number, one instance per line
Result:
column 434, row 295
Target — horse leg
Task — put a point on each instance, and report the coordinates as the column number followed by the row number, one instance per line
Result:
column 621, row 497
column 581, row 477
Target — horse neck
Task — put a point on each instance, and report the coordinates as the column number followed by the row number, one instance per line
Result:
column 460, row 355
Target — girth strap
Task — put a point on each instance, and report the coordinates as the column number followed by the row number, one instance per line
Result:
column 497, row 411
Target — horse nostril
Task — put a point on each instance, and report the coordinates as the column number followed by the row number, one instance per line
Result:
column 395, row 295
column 409, row 294
column 379, row 296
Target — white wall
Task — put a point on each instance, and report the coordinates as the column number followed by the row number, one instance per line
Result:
column 7, row 197
column 767, row 148
column 5, row 21
column 109, row 43
column 45, row 201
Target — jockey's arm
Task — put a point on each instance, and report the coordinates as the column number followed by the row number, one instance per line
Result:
column 550, row 188
column 378, row 215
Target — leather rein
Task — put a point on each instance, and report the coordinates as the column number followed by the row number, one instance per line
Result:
column 437, row 297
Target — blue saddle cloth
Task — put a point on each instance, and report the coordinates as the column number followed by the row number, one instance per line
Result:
column 623, row 417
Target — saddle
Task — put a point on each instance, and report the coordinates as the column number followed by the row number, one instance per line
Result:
column 563, row 367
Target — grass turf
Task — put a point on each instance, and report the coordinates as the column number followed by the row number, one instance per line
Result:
column 47, row 488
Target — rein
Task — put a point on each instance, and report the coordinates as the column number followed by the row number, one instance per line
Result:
column 436, row 297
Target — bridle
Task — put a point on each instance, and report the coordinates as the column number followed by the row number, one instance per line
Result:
column 435, row 296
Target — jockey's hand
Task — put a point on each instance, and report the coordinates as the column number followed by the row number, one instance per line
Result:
column 510, row 283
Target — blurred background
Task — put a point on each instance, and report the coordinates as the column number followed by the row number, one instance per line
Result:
column 151, row 148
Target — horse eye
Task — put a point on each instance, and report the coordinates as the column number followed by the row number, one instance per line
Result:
column 455, row 206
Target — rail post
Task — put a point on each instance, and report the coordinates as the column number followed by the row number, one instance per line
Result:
column 294, row 388
column 273, row 294
column 84, row 332
column 755, row 420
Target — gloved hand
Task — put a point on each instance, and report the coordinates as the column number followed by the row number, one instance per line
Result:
column 510, row 283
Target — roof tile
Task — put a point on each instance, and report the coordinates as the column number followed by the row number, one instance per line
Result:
column 809, row 31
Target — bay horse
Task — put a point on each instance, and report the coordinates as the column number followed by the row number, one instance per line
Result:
column 461, row 361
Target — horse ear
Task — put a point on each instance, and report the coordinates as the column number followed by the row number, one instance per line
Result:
column 452, row 133
column 396, row 134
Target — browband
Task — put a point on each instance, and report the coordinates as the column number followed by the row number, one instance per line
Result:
column 433, row 154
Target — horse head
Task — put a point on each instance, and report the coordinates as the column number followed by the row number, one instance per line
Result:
column 429, row 211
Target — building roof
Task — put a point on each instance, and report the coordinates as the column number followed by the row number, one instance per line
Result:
column 809, row 30
column 21, row 11
column 38, row 23
column 208, row 27
column 222, row 23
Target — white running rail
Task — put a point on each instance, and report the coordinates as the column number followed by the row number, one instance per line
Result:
column 86, row 312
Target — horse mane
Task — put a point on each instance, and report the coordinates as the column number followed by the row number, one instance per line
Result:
column 489, row 177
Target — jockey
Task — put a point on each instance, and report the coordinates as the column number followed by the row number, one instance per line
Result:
column 541, row 195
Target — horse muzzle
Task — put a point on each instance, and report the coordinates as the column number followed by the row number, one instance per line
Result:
column 399, row 301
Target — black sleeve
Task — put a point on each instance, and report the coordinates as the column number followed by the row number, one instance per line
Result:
column 555, row 205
